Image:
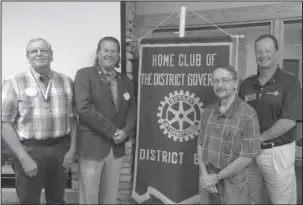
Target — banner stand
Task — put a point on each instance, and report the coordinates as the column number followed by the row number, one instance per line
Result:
column 182, row 21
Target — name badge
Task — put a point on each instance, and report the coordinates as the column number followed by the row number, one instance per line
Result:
column 250, row 97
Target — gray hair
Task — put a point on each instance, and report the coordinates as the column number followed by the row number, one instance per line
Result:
column 230, row 69
column 39, row 39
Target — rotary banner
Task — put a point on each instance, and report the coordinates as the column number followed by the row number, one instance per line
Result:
column 175, row 83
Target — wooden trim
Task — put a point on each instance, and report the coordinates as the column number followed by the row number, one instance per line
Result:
column 290, row 21
column 268, row 12
column 123, row 36
column 278, row 32
column 224, row 26
column 271, row 26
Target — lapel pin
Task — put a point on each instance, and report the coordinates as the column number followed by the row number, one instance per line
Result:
column 126, row 96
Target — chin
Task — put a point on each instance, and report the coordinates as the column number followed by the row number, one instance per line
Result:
column 109, row 67
column 221, row 96
column 41, row 66
column 265, row 65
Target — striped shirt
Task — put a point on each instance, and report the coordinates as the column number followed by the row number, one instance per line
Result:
column 33, row 117
column 225, row 137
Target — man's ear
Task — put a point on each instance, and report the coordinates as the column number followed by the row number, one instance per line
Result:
column 237, row 85
column 27, row 56
column 51, row 56
column 118, row 62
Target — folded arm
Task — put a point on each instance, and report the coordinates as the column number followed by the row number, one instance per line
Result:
column 291, row 113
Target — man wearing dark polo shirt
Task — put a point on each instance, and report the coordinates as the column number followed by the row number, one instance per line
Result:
column 228, row 140
column 276, row 97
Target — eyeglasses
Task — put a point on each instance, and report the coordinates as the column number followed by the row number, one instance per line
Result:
column 42, row 51
column 223, row 80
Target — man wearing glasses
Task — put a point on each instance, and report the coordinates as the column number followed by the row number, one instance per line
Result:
column 39, row 126
column 229, row 139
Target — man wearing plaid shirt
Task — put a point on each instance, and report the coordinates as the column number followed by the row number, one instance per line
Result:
column 39, row 126
column 229, row 139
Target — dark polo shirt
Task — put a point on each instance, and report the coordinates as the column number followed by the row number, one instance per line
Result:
column 279, row 98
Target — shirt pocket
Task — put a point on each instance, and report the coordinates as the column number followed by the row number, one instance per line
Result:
column 233, row 135
column 62, row 101
column 229, row 140
column 25, row 106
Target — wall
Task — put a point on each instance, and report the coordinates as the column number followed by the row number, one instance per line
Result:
column 72, row 28
column 150, row 14
column 145, row 8
column 126, row 174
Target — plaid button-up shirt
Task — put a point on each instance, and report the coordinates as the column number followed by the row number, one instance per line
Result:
column 225, row 137
column 24, row 105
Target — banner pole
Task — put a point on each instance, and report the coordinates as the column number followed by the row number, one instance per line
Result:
column 237, row 52
column 237, row 37
column 182, row 21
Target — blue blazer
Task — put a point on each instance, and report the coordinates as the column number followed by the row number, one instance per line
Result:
column 99, row 118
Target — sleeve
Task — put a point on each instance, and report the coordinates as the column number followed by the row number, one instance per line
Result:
column 292, row 102
column 9, row 102
column 131, row 115
column 241, row 93
column 202, row 131
column 250, row 142
column 86, row 109
column 71, row 112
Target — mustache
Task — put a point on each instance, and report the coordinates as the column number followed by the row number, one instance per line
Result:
column 220, row 89
column 108, row 58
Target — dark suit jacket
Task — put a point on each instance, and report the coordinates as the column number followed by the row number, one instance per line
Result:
column 98, row 116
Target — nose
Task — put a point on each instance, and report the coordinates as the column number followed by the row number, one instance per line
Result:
column 110, row 53
column 220, row 83
column 262, row 53
column 38, row 51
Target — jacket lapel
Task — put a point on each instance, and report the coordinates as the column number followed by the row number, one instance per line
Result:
column 119, row 91
column 105, row 87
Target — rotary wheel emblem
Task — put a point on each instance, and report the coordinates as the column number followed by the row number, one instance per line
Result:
column 179, row 115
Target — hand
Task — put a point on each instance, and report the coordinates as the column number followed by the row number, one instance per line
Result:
column 212, row 189
column 128, row 146
column 115, row 136
column 208, row 180
column 69, row 159
column 119, row 137
column 29, row 166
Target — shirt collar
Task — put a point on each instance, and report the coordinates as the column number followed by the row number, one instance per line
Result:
column 111, row 74
column 272, row 80
column 231, row 111
column 37, row 75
